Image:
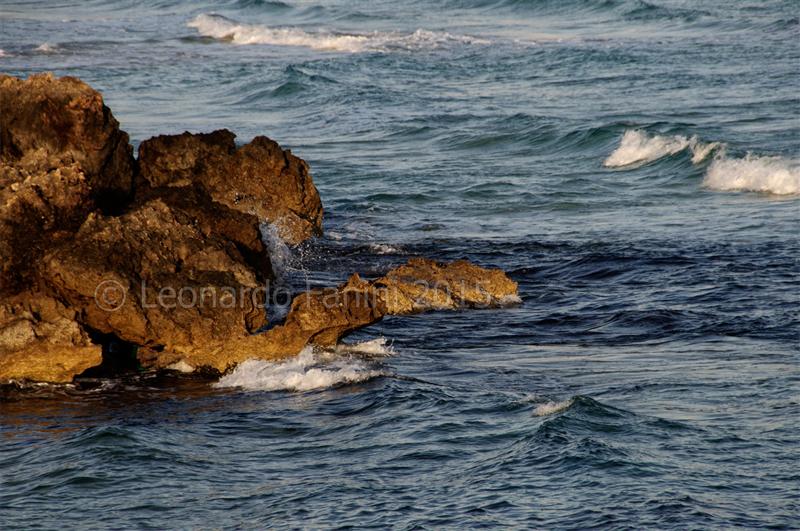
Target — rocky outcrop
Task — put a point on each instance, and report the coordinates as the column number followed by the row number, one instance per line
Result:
column 423, row 285
column 215, row 220
column 109, row 264
column 40, row 339
column 323, row 317
column 62, row 155
column 152, row 278
column 258, row 178
column 37, row 210
column 46, row 123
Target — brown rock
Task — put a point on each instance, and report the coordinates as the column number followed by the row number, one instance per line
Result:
column 36, row 210
column 47, row 122
column 258, row 178
column 323, row 317
column 214, row 219
column 425, row 284
column 152, row 278
column 40, row 340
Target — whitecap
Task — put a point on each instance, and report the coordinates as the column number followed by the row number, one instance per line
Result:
column 47, row 48
column 307, row 371
column 769, row 174
column 775, row 175
column 219, row 27
column 549, row 408
column 701, row 151
column 637, row 147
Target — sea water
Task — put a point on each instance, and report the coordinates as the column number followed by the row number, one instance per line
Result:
column 632, row 164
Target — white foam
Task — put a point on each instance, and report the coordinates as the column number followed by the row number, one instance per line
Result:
column 549, row 408
column 46, row 48
column 223, row 28
column 2, row 53
column 374, row 347
column 279, row 253
column 637, row 148
column 510, row 300
column 701, row 151
column 383, row 248
column 307, row 371
column 775, row 175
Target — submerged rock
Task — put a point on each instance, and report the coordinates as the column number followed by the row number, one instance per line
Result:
column 112, row 265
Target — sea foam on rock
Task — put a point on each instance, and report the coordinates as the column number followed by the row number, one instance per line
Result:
column 91, row 238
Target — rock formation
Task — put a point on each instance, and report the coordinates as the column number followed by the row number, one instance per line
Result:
column 323, row 317
column 258, row 178
column 46, row 123
column 109, row 262
column 41, row 340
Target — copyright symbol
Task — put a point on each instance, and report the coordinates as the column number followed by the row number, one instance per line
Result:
column 110, row 295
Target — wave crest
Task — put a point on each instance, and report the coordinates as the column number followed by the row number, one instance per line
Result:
column 775, row 175
column 637, row 148
column 769, row 174
column 222, row 28
column 549, row 408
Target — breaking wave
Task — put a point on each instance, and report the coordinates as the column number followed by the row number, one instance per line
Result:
column 549, row 408
column 223, row 28
column 775, row 175
column 637, row 148
column 46, row 47
column 769, row 174
column 311, row 369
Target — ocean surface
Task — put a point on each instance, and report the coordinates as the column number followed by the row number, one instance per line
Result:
column 634, row 165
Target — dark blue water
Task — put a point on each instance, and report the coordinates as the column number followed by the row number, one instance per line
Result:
column 632, row 164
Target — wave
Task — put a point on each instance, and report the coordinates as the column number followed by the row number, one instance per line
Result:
column 637, row 148
column 626, row 10
column 46, row 47
column 769, row 174
column 269, row 4
column 545, row 7
column 311, row 369
column 549, row 408
column 775, row 175
column 223, row 28
column 645, row 11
